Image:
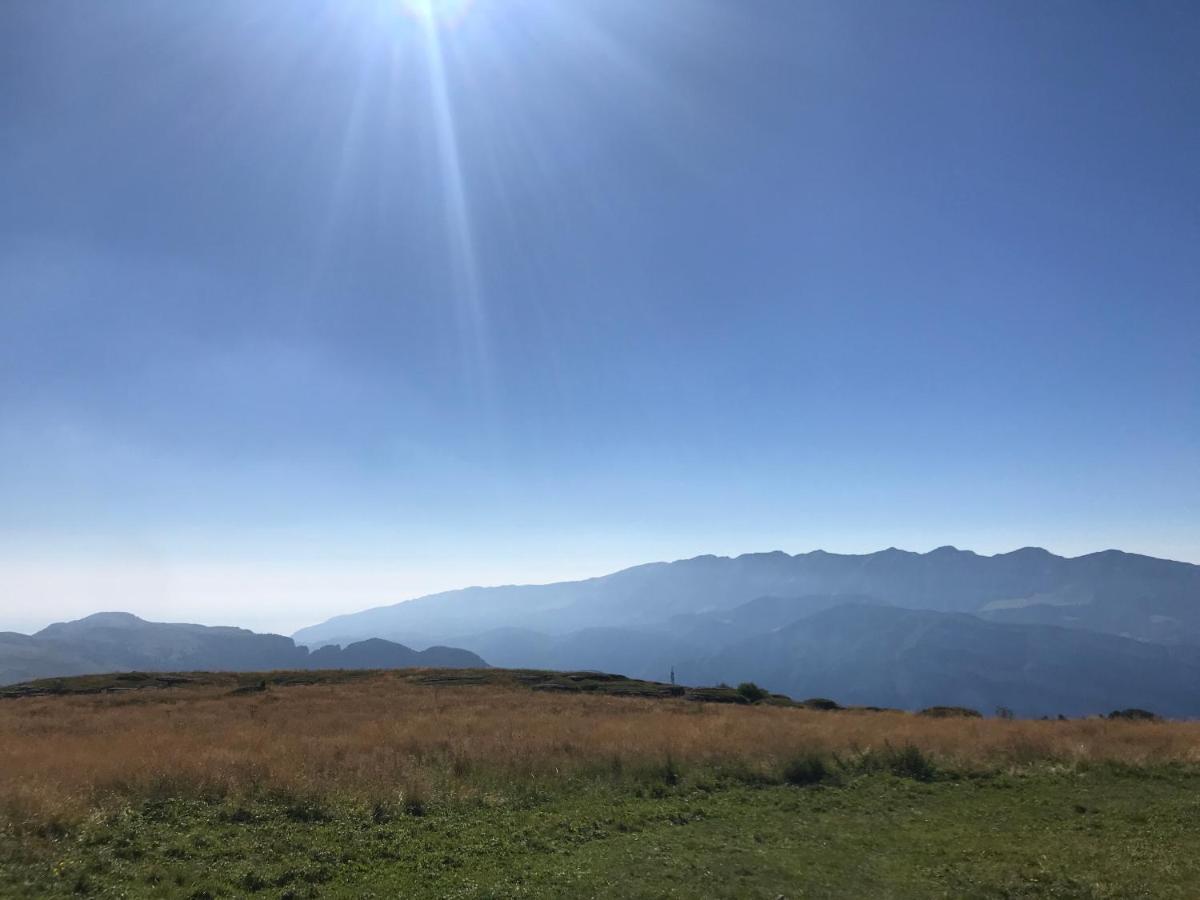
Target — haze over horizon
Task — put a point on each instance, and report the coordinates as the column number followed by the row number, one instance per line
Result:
column 324, row 607
column 303, row 314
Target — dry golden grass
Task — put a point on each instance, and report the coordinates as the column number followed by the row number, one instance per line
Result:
column 384, row 739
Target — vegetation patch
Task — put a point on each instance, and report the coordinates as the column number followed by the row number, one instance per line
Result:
column 822, row 703
column 403, row 784
column 1133, row 715
column 752, row 692
column 951, row 712
column 807, row 769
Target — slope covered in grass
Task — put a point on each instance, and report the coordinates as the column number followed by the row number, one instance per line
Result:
column 489, row 783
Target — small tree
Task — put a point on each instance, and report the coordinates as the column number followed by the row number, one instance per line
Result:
column 752, row 691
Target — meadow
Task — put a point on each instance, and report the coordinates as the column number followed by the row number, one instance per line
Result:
column 499, row 784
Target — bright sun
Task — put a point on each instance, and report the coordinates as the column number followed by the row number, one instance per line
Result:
column 443, row 11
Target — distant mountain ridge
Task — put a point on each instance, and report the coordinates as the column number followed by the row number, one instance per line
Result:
column 114, row 642
column 1114, row 592
column 1058, row 626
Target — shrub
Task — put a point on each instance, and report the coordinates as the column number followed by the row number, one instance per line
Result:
column 414, row 798
column 306, row 811
column 951, row 712
column 823, row 703
column 742, row 771
column 908, row 761
column 806, row 769
column 752, row 691
column 670, row 772
column 1133, row 714
column 381, row 813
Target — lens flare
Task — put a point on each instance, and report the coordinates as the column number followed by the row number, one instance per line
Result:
column 435, row 16
column 443, row 12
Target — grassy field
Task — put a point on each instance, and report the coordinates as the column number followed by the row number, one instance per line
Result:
column 502, row 784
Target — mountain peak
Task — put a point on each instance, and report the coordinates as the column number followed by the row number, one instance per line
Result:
column 95, row 620
column 112, row 619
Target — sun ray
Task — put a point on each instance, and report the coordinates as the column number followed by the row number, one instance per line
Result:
column 444, row 12
column 464, row 262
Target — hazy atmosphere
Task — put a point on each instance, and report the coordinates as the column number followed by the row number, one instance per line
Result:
column 302, row 313
column 624, row 449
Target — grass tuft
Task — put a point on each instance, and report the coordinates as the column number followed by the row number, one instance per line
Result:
column 808, row 769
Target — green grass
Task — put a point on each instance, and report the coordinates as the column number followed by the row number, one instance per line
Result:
column 1104, row 832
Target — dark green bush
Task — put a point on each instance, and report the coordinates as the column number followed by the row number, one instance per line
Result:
column 823, row 703
column 306, row 811
column 904, row 762
column 1133, row 714
column 752, row 691
column 951, row 712
column 910, row 762
column 807, row 769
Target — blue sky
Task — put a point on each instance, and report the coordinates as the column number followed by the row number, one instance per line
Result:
column 312, row 306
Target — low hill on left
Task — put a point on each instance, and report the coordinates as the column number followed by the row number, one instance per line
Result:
column 112, row 642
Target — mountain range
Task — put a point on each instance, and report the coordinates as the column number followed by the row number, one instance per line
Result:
column 1037, row 633
column 1028, row 630
column 115, row 642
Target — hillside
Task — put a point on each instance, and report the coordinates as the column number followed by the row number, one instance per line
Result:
column 912, row 659
column 116, row 642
